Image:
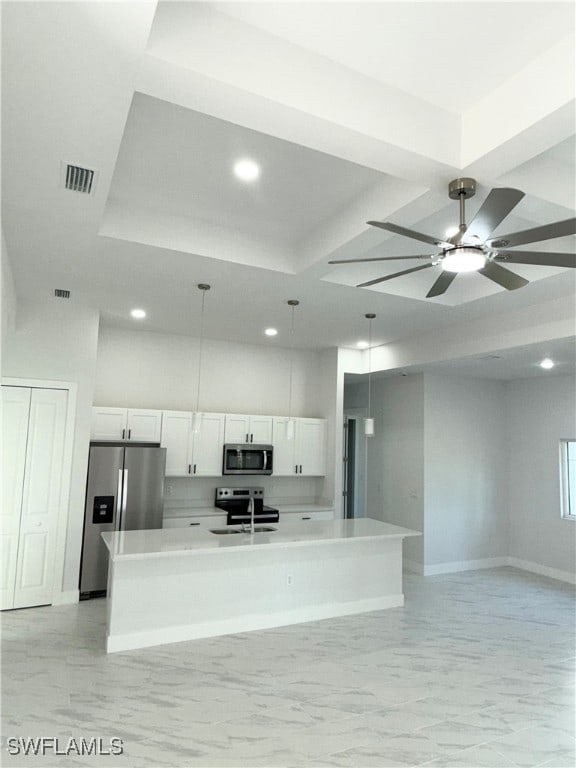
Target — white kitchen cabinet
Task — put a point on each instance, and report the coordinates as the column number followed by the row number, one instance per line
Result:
column 323, row 515
column 135, row 424
column 243, row 428
column 305, row 454
column 189, row 453
column 34, row 423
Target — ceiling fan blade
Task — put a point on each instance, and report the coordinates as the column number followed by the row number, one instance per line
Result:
column 538, row 257
column 396, row 274
column 494, row 210
column 378, row 258
column 502, row 276
column 545, row 232
column 409, row 233
column 442, row 284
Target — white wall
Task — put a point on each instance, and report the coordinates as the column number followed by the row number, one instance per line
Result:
column 541, row 411
column 7, row 299
column 465, row 468
column 57, row 341
column 142, row 369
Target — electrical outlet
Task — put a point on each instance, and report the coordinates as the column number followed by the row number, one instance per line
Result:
column 289, row 580
column 169, row 489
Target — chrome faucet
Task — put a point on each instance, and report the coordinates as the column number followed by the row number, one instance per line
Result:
column 251, row 506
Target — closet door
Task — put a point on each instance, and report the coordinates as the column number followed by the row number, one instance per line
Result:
column 41, row 498
column 15, row 412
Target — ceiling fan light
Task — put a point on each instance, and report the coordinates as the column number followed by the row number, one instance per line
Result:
column 463, row 260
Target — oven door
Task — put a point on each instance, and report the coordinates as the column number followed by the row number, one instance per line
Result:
column 242, row 459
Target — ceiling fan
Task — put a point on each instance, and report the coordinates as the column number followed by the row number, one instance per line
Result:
column 472, row 249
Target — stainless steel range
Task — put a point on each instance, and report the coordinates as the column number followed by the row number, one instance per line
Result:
column 234, row 501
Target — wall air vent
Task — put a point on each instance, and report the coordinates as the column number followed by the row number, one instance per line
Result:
column 79, row 179
column 61, row 293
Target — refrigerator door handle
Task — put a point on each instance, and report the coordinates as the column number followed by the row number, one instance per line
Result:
column 124, row 497
column 119, row 500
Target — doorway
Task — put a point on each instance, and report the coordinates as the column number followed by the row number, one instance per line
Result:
column 354, row 459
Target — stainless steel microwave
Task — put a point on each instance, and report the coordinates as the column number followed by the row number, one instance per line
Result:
column 247, row 459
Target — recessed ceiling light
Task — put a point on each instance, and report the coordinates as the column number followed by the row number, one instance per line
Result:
column 362, row 344
column 271, row 332
column 247, row 170
column 547, row 364
column 138, row 314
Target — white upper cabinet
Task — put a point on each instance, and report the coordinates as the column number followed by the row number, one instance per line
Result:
column 242, row 428
column 176, row 431
column 189, row 453
column 208, row 445
column 108, row 423
column 305, row 454
column 144, row 426
column 136, row 424
column 310, row 442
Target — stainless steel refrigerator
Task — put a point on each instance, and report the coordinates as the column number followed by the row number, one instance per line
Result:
column 125, row 492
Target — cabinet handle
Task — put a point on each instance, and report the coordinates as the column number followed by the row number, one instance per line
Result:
column 246, row 438
column 189, row 469
column 300, row 468
column 123, row 434
column 296, row 469
column 129, row 433
column 194, row 468
column 251, row 437
column 304, row 518
column 193, row 523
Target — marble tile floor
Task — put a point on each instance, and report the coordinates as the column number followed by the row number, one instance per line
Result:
column 477, row 670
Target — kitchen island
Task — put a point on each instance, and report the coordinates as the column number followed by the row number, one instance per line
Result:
column 170, row 585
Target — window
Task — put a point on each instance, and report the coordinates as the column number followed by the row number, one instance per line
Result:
column 568, row 478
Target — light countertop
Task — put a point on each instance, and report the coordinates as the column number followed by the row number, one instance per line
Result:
column 168, row 542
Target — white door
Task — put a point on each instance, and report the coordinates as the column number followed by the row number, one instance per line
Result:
column 237, row 428
column 311, row 446
column 108, row 423
column 15, row 413
column 283, row 458
column 144, row 426
column 261, row 429
column 41, row 498
column 176, row 438
column 208, row 445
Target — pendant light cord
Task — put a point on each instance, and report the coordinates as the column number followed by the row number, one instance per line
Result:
column 369, row 367
column 291, row 364
column 201, row 345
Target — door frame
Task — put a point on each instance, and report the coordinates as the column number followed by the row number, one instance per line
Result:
column 58, row 596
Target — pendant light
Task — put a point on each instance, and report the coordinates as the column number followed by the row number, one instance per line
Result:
column 197, row 416
column 369, row 421
column 290, row 424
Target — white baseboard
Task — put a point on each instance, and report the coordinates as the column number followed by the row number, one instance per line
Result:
column 66, row 598
column 542, row 570
column 463, row 565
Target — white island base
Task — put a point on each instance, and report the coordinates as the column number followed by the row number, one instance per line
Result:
column 167, row 586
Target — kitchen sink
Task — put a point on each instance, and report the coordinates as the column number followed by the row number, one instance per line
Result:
column 223, row 531
column 257, row 529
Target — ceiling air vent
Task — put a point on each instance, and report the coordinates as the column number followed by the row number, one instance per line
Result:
column 61, row 293
column 79, row 179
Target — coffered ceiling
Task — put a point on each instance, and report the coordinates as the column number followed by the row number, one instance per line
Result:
column 353, row 111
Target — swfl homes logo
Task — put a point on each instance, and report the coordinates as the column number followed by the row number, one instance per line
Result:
column 50, row 745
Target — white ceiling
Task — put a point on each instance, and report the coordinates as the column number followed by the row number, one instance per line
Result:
column 450, row 53
column 343, row 104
